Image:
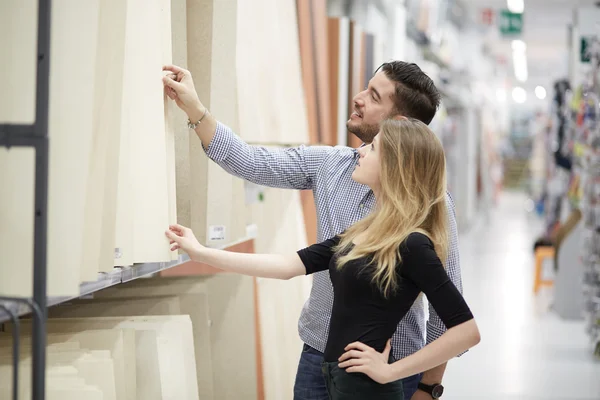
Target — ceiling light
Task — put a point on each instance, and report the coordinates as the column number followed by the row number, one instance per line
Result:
column 515, row 6
column 501, row 95
column 520, row 67
column 518, row 46
column 540, row 92
column 519, row 95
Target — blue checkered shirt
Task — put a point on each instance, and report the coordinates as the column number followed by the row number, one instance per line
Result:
column 340, row 202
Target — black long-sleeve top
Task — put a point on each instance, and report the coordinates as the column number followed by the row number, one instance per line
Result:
column 361, row 312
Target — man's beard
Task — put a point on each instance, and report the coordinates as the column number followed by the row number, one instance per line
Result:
column 364, row 132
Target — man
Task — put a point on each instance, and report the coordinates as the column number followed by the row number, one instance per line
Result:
column 397, row 89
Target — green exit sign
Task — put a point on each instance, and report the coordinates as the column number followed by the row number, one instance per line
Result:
column 511, row 24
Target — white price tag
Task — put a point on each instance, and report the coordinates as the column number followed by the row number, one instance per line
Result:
column 216, row 232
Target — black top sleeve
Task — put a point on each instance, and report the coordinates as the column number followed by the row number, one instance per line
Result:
column 317, row 257
column 422, row 266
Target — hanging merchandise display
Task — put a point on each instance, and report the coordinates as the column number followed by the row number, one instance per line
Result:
column 585, row 131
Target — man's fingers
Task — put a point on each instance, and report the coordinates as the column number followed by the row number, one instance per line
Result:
column 168, row 81
column 174, row 68
column 178, row 227
column 173, row 236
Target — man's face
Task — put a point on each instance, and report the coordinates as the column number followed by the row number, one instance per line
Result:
column 371, row 106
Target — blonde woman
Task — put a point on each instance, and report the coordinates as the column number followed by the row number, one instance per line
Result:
column 379, row 266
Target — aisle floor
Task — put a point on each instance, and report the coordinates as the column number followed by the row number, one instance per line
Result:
column 526, row 352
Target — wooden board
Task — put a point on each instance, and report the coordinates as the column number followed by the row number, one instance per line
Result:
column 17, row 210
column 213, row 193
column 319, row 11
column 172, row 361
column 339, row 53
column 229, row 310
column 102, row 182
column 309, row 79
column 74, row 34
column 268, row 73
column 163, row 297
column 120, row 343
column 148, row 48
column 178, row 118
column 280, row 231
column 18, row 45
column 356, row 72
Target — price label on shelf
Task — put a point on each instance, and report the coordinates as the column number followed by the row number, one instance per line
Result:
column 216, row 232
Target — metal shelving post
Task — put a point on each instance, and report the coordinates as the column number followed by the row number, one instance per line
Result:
column 36, row 136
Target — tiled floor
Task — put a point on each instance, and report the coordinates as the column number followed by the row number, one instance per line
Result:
column 526, row 352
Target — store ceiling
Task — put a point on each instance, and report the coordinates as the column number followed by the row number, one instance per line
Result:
column 545, row 32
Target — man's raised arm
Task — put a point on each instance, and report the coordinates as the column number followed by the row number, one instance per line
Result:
column 290, row 168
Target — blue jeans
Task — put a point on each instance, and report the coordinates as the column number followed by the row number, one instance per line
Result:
column 310, row 381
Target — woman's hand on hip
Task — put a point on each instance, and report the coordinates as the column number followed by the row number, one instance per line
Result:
column 361, row 358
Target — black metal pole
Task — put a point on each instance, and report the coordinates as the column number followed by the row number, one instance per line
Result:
column 15, row 361
column 38, row 370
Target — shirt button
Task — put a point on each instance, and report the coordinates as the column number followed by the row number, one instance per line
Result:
column 362, row 205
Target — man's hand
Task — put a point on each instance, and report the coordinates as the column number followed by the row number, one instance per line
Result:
column 361, row 358
column 179, row 86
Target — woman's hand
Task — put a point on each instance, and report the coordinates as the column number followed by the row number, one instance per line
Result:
column 183, row 238
column 361, row 358
column 179, row 86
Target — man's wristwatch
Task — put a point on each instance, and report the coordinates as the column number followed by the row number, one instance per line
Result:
column 436, row 390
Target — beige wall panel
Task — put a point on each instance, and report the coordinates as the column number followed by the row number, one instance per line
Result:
column 230, row 310
column 148, row 48
column 156, row 297
column 17, row 211
column 174, row 345
column 95, row 367
column 120, row 343
column 211, row 61
column 74, row 34
column 271, row 96
column 102, row 182
column 178, row 118
column 18, row 50
column 280, row 231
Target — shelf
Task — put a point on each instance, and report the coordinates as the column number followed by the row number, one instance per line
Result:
column 106, row 280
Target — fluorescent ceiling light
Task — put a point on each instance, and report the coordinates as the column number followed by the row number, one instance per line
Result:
column 519, row 95
column 520, row 66
column 515, row 6
column 540, row 92
column 520, row 59
column 501, row 95
column 518, row 46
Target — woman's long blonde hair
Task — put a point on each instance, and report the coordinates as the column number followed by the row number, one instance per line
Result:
column 412, row 198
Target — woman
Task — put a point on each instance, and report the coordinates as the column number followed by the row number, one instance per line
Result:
column 378, row 267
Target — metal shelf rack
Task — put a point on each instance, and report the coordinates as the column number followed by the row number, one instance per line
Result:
column 36, row 136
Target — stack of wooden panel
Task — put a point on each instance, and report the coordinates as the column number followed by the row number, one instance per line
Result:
column 221, row 311
column 111, row 168
column 116, row 357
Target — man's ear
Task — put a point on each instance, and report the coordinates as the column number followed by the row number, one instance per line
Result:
column 399, row 117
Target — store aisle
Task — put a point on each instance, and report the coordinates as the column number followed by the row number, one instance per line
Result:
column 526, row 352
